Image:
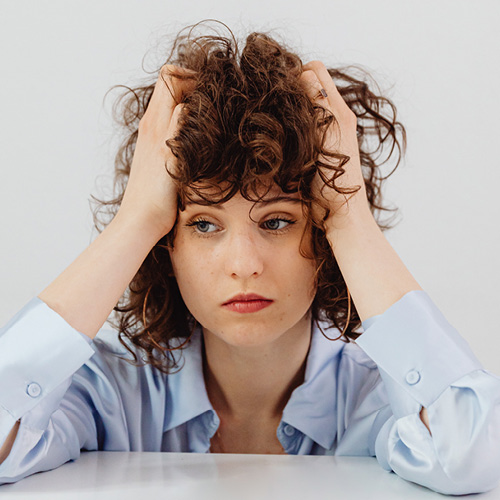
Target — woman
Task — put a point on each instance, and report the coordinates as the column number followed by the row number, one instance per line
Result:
column 246, row 245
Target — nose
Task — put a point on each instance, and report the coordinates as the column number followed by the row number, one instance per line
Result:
column 243, row 255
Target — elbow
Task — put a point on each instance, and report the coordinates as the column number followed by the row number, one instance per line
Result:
column 470, row 457
column 474, row 470
column 451, row 463
column 450, row 479
column 471, row 483
column 466, row 437
column 469, row 466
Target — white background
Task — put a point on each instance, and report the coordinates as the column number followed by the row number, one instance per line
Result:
column 438, row 60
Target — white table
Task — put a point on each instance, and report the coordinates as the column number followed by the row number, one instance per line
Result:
column 179, row 476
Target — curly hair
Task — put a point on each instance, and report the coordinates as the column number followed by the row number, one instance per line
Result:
column 248, row 124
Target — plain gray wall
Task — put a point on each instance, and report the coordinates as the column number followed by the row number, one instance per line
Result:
column 435, row 59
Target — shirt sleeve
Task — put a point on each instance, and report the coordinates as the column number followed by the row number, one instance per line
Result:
column 424, row 362
column 39, row 353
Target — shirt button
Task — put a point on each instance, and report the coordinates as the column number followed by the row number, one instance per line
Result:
column 412, row 377
column 33, row 390
column 289, row 430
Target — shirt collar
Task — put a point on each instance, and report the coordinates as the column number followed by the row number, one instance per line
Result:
column 186, row 392
column 312, row 407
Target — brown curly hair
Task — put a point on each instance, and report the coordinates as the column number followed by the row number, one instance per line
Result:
column 248, row 123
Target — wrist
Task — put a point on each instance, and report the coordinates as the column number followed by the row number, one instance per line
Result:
column 355, row 217
column 150, row 227
column 375, row 275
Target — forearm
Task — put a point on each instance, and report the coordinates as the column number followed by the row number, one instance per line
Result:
column 86, row 292
column 374, row 273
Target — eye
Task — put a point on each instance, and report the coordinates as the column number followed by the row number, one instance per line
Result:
column 203, row 226
column 277, row 224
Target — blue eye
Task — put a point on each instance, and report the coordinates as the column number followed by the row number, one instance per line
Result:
column 203, row 226
column 277, row 224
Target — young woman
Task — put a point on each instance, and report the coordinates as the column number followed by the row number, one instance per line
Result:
column 263, row 309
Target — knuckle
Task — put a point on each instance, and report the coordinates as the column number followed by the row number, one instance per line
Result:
column 316, row 65
column 350, row 117
column 309, row 75
column 167, row 69
column 177, row 112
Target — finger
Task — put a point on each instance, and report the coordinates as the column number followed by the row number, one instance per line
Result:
column 178, row 81
column 173, row 126
column 313, row 88
column 169, row 91
column 317, row 85
column 172, row 130
column 316, row 92
column 334, row 98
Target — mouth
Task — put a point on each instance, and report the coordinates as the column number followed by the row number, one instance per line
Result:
column 247, row 303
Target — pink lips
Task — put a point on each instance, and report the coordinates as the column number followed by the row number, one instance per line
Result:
column 247, row 303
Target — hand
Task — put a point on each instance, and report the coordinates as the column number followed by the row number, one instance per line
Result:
column 341, row 138
column 150, row 194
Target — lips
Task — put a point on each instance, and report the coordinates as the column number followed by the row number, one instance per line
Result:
column 246, row 297
column 247, row 303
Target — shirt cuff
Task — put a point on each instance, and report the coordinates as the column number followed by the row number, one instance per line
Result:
column 38, row 351
column 416, row 350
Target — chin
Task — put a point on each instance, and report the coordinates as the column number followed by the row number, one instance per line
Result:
column 248, row 333
column 246, row 340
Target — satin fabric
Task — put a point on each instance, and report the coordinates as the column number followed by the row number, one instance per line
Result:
column 360, row 398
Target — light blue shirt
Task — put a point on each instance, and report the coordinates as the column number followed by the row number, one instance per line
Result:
column 360, row 398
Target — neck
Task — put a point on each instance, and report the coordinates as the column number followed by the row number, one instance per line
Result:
column 252, row 383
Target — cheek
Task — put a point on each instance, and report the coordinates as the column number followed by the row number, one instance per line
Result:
column 297, row 275
column 193, row 270
column 307, row 280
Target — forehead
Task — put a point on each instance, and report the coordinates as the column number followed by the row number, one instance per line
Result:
column 216, row 195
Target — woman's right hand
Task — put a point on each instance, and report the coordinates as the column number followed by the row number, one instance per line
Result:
column 150, row 194
column 86, row 291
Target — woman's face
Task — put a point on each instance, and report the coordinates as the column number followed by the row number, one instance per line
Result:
column 243, row 248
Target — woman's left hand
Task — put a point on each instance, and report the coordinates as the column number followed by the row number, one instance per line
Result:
column 341, row 138
column 373, row 292
column 373, row 272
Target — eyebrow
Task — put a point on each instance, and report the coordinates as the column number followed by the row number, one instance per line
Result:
column 268, row 201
